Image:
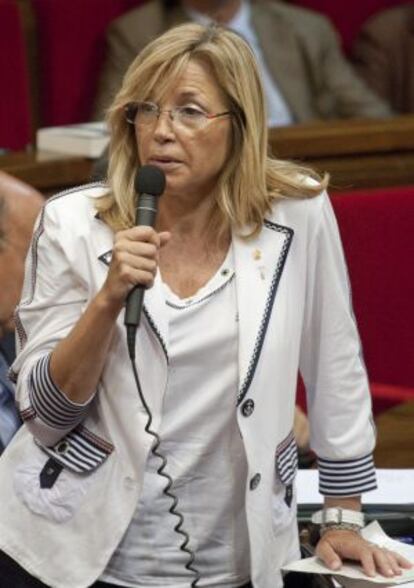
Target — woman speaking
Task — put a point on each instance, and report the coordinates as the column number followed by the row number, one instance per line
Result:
column 178, row 469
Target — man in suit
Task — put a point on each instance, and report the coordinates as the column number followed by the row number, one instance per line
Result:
column 19, row 206
column 305, row 75
column 384, row 56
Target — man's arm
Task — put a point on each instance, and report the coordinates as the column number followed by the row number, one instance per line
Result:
column 376, row 56
column 353, row 97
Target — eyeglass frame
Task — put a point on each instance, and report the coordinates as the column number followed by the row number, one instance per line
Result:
column 170, row 111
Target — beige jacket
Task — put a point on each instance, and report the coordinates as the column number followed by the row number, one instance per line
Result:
column 384, row 56
column 300, row 47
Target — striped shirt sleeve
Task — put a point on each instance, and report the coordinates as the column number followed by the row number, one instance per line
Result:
column 49, row 403
column 346, row 478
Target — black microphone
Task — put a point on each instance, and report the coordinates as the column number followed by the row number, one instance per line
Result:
column 149, row 184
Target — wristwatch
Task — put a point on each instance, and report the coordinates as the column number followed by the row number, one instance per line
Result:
column 338, row 516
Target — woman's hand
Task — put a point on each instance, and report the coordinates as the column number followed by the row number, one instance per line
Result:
column 78, row 360
column 134, row 262
column 338, row 545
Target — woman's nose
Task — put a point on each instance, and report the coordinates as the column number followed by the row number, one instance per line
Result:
column 164, row 125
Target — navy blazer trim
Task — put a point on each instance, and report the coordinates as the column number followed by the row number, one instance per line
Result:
column 33, row 253
column 106, row 259
column 288, row 234
column 153, row 326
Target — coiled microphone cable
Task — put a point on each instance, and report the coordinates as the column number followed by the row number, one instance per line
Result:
column 149, row 184
column 167, row 490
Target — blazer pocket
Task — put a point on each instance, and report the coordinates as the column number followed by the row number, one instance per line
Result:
column 52, row 481
column 284, row 495
column 287, row 460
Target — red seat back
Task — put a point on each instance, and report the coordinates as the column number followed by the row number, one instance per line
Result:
column 71, row 49
column 15, row 117
column 377, row 233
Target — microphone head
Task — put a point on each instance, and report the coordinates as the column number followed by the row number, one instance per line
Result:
column 149, row 179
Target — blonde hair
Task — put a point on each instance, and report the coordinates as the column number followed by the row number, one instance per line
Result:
column 251, row 180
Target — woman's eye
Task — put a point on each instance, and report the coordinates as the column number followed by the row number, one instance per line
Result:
column 192, row 112
column 146, row 107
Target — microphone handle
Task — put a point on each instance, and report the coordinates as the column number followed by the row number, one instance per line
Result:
column 146, row 210
column 145, row 216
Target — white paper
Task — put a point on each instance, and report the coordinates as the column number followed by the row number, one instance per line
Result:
column 353, row 571
column 83, row 139
column 395, row 487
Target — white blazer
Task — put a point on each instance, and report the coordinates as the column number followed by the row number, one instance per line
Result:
column 72, row 477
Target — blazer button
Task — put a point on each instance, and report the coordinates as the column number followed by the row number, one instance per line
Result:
column 62, row 447
column 247, row 407
column 255, row 481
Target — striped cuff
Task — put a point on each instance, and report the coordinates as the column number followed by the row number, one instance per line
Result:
column 346, row 478
column 50, row 404
column 80, row 451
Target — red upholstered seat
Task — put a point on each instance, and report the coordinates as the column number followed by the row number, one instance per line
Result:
column 15, row 117
column 71, row 50
column 376, row 228
column 385, row 396
column 348, row 17
column 377, row 233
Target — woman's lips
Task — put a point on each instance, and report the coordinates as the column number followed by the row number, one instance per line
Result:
column 164, row 163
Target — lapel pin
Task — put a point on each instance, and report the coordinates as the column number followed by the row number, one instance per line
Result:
column 257, row 254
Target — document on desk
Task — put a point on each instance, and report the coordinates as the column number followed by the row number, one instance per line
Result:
column 395, row 488
column 351, row 574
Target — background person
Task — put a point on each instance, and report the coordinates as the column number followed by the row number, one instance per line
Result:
column 19, row 207
column 383, row 55
column 246, row 283
column 305, row 75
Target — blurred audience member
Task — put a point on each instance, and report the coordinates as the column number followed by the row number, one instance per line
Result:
column 384, row 56
column 19, row 207
column 305, row 75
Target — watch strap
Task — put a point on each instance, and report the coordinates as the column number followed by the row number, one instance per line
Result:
column 339, row 527
column 337, row 516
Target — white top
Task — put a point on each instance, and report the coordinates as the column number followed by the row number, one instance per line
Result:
column 278, row 111
column 208, row 465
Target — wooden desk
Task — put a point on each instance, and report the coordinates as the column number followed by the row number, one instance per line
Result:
column 395, row 444
column 48, row 172
column 356, row 153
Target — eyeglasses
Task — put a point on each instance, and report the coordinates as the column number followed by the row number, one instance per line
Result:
column 185, row 117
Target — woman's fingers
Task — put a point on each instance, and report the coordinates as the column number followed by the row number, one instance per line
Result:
column 389, row 563
column 164, row 238
column 140, row 241
column 368, row 561
column 141, row 234
column 137, row 261
column 402, row 561
column 328, row 555
column 337, row 545
column 134, row 260
column 136, row 256
column 137, row 248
